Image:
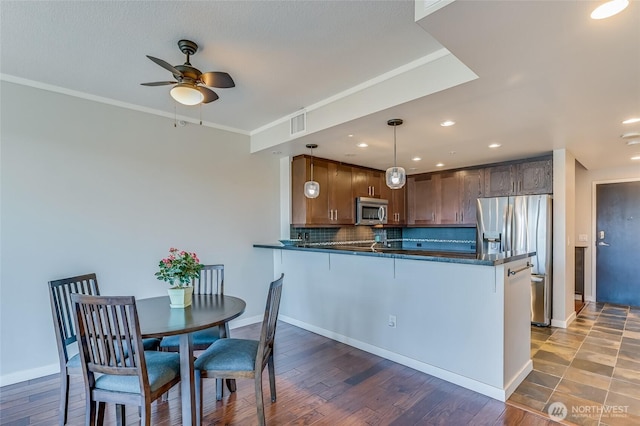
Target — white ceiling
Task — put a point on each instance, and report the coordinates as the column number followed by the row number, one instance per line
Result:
column 549, row 77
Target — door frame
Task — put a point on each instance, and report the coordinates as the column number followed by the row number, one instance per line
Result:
column 594, row 231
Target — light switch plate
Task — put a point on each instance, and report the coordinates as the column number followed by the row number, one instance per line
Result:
column 583, row 238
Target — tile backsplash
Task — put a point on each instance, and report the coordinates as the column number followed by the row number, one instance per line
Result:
column 448, row 239
column 346, row 233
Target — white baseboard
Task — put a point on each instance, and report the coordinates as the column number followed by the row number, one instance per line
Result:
column 237, row 323
column 522, row 374
column 33, row 373
column 465, row 382
column 565, row 323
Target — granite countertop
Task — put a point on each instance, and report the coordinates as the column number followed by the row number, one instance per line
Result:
column 429, row 255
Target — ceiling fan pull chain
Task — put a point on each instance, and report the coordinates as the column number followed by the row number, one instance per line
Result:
column 175, row 115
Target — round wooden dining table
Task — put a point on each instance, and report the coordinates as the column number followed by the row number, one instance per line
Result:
column 158, row 319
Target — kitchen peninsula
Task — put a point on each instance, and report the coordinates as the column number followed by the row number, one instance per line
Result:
column 459, row 317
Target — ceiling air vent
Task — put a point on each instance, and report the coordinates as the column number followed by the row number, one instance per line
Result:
column 298, row 124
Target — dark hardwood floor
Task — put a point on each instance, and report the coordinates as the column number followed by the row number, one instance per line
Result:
column 319, row 381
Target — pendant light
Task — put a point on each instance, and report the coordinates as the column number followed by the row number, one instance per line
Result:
column 311, row 188
column 395, row 176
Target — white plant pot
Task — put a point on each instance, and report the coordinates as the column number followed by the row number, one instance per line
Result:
column 180, row 297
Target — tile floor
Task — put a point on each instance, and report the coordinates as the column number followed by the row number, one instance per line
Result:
column 592, row 367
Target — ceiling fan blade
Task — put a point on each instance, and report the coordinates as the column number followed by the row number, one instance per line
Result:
column 159, row 83
column 209, row 95
column 165, row 65
column 217, row 79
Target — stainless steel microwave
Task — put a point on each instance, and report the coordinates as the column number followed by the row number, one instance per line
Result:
column 371, row 211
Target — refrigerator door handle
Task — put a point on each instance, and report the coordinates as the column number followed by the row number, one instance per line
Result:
column 523, row 268
column 507, row 228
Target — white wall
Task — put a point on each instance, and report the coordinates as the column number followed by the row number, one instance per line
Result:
column 585, row 211
column 563, row 308
column 88, row 187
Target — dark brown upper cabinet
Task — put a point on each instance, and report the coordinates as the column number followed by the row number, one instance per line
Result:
column 528, row 177
column 334, row 206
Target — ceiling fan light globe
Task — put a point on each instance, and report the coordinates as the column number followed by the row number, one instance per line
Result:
column 311, row 189
column 186, row 94
column 395, row 177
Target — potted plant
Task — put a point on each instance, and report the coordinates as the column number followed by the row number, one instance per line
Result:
column 179, row 269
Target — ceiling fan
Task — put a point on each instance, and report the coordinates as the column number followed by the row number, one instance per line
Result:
column 189, row 84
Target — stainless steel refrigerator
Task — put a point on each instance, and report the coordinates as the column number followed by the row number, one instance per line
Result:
column 521, row 223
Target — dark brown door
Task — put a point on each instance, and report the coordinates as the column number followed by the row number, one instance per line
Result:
column 535, row 177
column 341, row 200
column 318, row 208
column 472, row 183
column 499, row 181
column 422, row 199
column 618, row 243
column 449, row 198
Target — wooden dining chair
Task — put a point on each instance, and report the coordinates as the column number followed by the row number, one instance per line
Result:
column 61, row 307
column 211, row 281
column 60, row 295
column 107, row 327
column 242, row 358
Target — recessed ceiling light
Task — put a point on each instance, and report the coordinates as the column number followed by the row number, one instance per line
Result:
column 440, row 165
column 452, row 153
column 351, row 135
column 447, row 123
column 495, row 145
column 412, row 168
column 631, row 120
column 362, row 145
column 416, row 158
column 636, row 157
column 609, row 9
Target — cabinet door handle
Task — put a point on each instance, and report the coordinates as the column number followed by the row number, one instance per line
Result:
column 462, row 217
column 433, row 216
column 373, row 191
column 456, row 216
column 336, row 217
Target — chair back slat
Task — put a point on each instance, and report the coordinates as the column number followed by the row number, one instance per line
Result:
column 268, row 333
column 61, row 307
column 211, row 280
column 108, row 327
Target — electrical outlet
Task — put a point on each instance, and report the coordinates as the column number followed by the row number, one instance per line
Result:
column 392, row 321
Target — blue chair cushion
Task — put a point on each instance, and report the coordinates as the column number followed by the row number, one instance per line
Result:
column 202, row 337
column 150, row 344
column 229, row 354
column 162, row 367
column 74, row 362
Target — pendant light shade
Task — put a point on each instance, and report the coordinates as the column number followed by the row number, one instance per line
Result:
column 311, row 187
column 395, row 176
